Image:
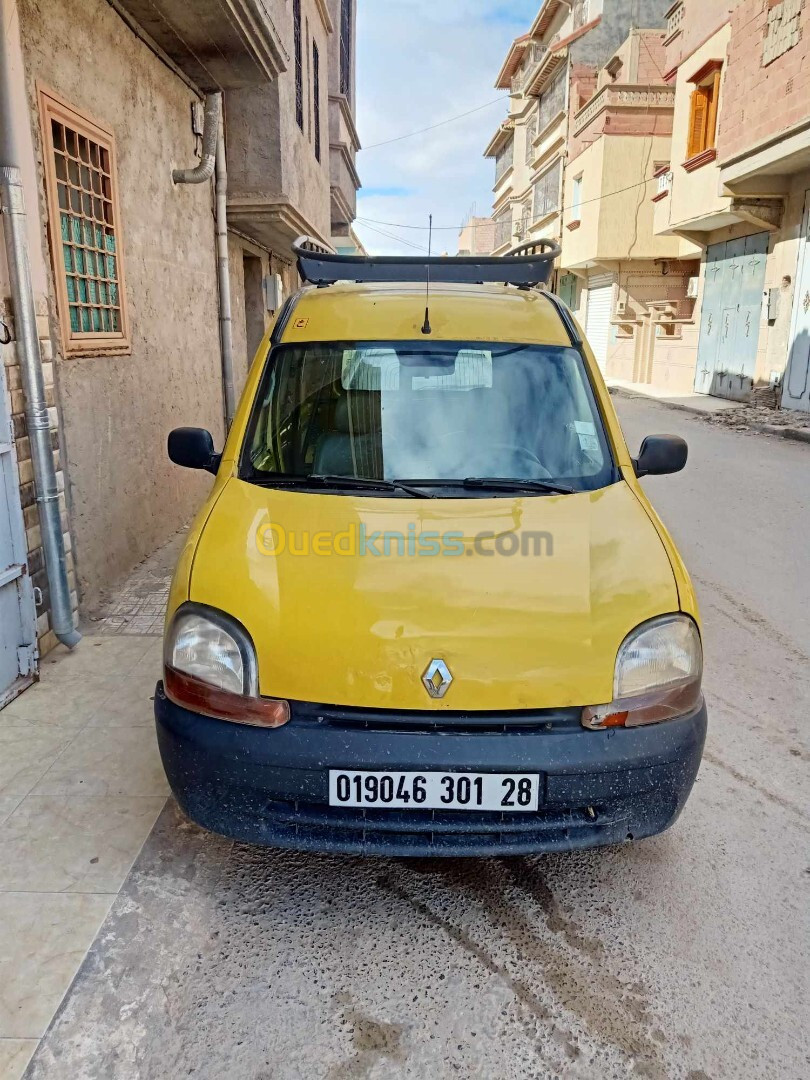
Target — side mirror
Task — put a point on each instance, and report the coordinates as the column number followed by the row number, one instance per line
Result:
column 661, row 454
column 193, row 448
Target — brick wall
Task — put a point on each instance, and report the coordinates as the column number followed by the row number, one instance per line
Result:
column 762, row 98
column 36, row 560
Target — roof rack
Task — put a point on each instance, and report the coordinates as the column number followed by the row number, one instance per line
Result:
column 529, row 264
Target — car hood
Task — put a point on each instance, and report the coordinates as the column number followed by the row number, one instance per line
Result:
column 539, row 628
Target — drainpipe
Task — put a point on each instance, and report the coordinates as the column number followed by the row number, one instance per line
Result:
column 213, row 160
column 205, row 169
column 224, row 278
column 12, row 207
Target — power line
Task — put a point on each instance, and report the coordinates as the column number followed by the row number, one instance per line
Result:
column 442, row 123
column 391, row 236
column 455, row 228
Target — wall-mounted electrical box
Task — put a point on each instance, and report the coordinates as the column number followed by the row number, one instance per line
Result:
column 273, row 292
column 773, row 304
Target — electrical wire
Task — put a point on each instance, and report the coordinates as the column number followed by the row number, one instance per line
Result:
column 391, row 236
column 456, row 228
column 441, row 123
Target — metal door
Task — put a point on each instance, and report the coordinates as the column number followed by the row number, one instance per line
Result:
column 18, row 624
column 597, row 318
column 796, row 390
column 730, row 317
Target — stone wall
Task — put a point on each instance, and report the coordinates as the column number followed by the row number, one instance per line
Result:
column 33, row 535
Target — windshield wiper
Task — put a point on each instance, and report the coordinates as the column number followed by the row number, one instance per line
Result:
column 356, row 483
column 361, row 482
column 497, row 483
column 509, row 483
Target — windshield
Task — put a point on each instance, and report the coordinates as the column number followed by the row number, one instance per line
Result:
column 435, row 411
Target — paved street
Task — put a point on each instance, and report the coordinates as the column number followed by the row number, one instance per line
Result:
column 684, row 956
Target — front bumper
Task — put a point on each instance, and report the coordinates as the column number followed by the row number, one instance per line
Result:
column 271, row 786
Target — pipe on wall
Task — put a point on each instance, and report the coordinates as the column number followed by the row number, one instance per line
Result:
column 12, row 207
column 204, row 170
column 224, row 281
column 214, row 162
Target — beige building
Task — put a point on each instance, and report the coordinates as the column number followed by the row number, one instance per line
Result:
column 737, row 192
column 477, row 236
column 106, row 101
column 628, row 286
column 529, row 147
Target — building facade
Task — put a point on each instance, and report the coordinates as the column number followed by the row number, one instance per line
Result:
column 565, row 42
column 736, row 191
column 628, row 286
column 477, row 236
column 106, row 102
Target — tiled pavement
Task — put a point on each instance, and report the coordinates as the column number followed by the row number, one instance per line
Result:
column 81, row 786
column 139, row 604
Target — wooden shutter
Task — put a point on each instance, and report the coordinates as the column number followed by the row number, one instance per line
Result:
column 697, row 122
column 713, row 93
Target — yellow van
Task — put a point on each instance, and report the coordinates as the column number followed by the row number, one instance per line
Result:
column 427, row 608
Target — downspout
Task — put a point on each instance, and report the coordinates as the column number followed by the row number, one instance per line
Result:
column 224, row 278
column 213, row 159
column 12, row 206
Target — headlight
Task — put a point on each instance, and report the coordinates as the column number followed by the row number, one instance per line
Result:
column 208, row 651
column 657, row 675
column 210, row 668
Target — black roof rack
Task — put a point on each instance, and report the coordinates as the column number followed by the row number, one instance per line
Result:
column 527, row 265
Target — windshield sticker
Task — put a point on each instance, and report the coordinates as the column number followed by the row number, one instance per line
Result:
column 586, row 433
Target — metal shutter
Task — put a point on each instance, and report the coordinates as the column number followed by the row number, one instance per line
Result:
column 597, row 321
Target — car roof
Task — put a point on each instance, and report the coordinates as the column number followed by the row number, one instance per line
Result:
column 396, row 312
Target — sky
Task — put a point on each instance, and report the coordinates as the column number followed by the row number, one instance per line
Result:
column 420, row 62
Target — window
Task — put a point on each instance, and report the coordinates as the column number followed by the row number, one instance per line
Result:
column 346, row 19
column 703, row 109
column 547, row 192
column 552, row 102
column 504, row 159
column 531, row 132
column 373, row 409
column 316, row 93
column 80, row 179
column 503, row 228
column 576, row 198
column 299, row 65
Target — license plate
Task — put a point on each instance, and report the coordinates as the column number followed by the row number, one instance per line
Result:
column 509, row 792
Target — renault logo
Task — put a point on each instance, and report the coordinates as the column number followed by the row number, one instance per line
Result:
column 437, row 678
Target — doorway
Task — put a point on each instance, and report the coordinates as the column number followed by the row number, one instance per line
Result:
column 796, row 390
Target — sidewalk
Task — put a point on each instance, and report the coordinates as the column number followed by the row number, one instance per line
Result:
column 742, row 416
column 81, row 786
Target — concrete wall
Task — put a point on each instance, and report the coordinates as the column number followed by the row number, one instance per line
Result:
column 761, row 101
column 620, row 226
column 695, row 194
column 125, row 498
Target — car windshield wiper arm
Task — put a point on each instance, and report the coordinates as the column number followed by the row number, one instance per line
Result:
column 359, row 483
column 508, row 483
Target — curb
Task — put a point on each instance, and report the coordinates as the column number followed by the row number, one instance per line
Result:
column 794, row 434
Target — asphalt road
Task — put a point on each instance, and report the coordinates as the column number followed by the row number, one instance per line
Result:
column 683, row 956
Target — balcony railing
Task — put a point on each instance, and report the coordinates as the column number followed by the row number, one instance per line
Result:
column 503, row 230
column 664, row 181
column 629, row 96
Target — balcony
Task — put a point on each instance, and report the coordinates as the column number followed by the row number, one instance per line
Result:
column 218, row 44
column 617, row 97
column 277, row 189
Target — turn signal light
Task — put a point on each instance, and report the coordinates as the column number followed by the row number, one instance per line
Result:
column 650, row 708
column 198, row 696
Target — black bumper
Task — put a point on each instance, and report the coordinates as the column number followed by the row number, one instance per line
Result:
column 271, row 787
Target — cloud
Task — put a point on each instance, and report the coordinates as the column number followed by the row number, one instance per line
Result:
column 421, row 62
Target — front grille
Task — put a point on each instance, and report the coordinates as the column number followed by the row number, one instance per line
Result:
column 314, row 826
column 433, row 721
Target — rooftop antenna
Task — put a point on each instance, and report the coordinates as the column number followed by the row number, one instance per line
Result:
column 426, row 328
